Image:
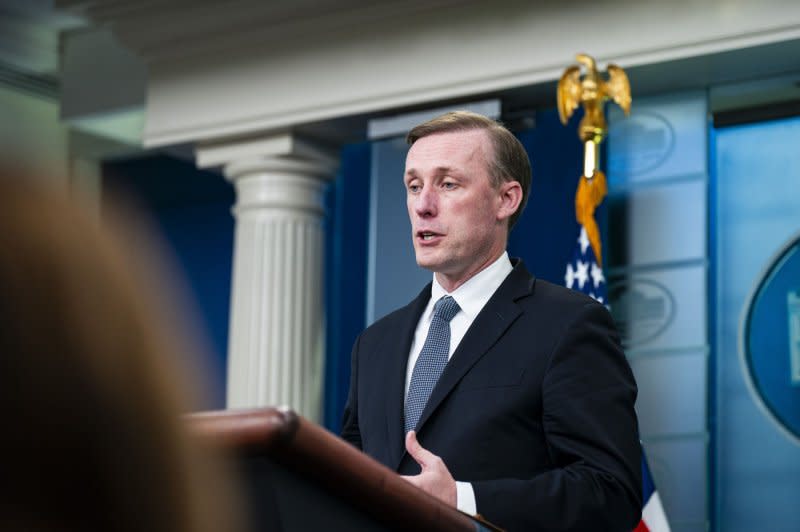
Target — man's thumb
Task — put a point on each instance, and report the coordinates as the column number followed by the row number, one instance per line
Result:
column 417, row 452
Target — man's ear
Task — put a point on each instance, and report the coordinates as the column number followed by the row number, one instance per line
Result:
column 510, row 197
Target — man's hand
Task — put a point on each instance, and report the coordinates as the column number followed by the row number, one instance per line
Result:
column 435, row 479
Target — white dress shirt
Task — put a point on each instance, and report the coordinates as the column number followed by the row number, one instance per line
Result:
column 471, row 297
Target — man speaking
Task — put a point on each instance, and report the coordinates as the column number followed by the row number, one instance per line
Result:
column 494, row 391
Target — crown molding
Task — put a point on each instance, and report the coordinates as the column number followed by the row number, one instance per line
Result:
column 257, row 68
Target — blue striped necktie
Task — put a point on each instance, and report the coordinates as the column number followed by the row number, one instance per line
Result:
column 431, row 361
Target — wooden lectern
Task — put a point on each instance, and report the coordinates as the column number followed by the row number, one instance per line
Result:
column 300, row 477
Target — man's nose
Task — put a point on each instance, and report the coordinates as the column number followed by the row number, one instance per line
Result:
column 425, row 203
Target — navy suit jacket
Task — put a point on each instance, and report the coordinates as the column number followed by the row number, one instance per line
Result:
column 535, row 408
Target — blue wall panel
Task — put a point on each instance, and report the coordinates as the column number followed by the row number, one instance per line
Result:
column 545, row 234
column 346, row 230
column 757, row 200
column 657, row 242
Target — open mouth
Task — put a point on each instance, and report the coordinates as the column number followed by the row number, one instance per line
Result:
column 427, row 236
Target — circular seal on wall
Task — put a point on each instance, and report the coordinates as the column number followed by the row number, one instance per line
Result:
column 642, row 309
column 641, row 143
column 770, row 339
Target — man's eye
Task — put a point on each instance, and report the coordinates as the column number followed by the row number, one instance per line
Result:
column 413, row 188
column 447, row 185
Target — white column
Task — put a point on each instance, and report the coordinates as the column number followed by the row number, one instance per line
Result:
column 276, row 339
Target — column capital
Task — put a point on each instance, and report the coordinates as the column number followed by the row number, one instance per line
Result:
column 285, row 149
column 280, row 165
column 274, row 184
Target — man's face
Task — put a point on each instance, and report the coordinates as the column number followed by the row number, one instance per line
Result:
column 458, row 219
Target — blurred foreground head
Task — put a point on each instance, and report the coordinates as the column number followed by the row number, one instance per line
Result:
column 90, row 398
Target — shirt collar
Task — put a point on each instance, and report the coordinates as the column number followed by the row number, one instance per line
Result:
column 473, row 295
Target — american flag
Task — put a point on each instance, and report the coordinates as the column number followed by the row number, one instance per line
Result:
column 653, row 517
column 583, row 272
column 586, row 275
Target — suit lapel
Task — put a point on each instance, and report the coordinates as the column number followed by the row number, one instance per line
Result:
column 495, row 318
column 397, row 362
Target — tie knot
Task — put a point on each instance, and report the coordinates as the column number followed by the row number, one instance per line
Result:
column 446, row 308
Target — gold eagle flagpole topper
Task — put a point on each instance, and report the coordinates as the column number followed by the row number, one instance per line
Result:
column 591, row 90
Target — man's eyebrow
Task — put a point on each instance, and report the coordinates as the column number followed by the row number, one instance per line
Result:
column 438, row 171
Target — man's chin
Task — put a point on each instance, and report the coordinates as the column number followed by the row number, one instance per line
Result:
column 426, row 266
column 428, row 263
